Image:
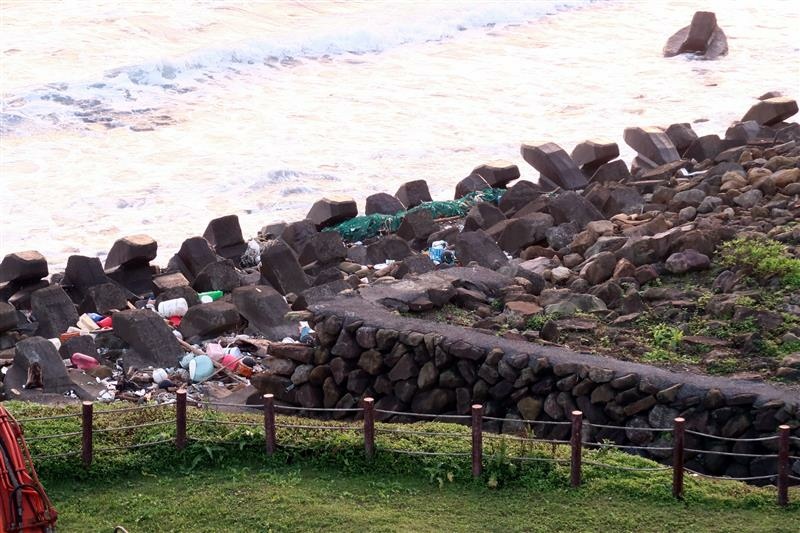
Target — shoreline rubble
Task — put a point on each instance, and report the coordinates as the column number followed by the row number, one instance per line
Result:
column 588, row 238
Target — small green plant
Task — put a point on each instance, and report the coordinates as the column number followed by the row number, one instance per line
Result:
column 536, row 322
column 764, row 258
column 745, row 301
column 666, row 337
column 728, row 365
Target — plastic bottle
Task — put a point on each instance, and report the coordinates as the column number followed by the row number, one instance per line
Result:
column 201, row 368
column 159, row 375
column 436, row 251
column 174, row 307
column 210, row 296
column 83, row 361
column 106, row 322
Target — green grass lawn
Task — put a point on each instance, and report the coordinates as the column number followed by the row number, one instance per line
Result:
column 313, row 499
column 321, row 481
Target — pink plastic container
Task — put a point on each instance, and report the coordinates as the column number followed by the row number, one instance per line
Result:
column 83, row 361
column 105, row 323
column 230, row 361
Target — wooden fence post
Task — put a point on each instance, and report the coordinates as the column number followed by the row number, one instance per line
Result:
column 477, row 440
column 369, row 427
column 269, row 423
column 180, row 419
column 678, row 433
column 86, row 428
column 783, row 465
column 576, row 444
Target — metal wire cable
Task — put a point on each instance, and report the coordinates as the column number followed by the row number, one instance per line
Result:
column 224, row 422
column 629, row 468
column 707, row 435
column 223, row 404
column 337, row 428
column 752, row 478
column 321, row 409
column 55, row 455
column 423, row 433
column 56, row 436
column 131, row 409
column 408, row 452
column 134, row 426
column 131, row 447
column 526, row 421
column 627, row 447
column 54, row 417
column 423, row 415
column 654, row 430
column 525, row 439
column 731, row 454
column 795, row 478
column 529, row 458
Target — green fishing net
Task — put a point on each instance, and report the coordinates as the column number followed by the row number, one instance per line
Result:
column 367, row 226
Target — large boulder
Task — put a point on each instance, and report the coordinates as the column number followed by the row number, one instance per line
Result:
column 614, row 198
column 593, row 153
column 265, row 310
column 413, row 193
column 554, row 163
column 37, row 365
column 479, row 247
column 416, row 225
column 8, row 317
column 103, row 299
column 225, row 235
column 702, row 37
column 149, row 336
column 389, row 247
column 682, row 135
column 383, row 204
column 208, row 319
column 771, row 111
column 194, row 255
column 23, row 267
column 53, row 310
column 323, row 248
column 131, row 251
column 570, row 206
column 473, row 182
column 652, row 144
column 218, row 276
column 298, row 234
column 518, row 196
column 482, row 215
column 497, row 173
column 279, row 266
column 332, row 210
column 82, row 273
column 613, row 171
column 519, row 233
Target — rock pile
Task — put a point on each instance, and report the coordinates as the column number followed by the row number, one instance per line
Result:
column 626, row 261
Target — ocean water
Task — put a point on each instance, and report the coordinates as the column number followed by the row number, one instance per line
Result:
column 146, row 117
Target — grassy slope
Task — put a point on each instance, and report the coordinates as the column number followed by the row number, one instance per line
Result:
column 320, row 480
column 294, row 499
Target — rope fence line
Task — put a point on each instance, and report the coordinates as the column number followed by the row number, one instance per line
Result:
column 366, row 426
column 627, row 447
column 526, row 421
column 55, row 455
column 425, row 415
column 131, row 409
column 54, row 417
column 423, row 433
column 731, row 454
column 332, row 428
column 224, row 422
column 412, row 452
column 726, row 478
column 134, row 426
column 629, row 468
column 54, row 436
column 321, row 409
column 709, row 436
column 652, row 430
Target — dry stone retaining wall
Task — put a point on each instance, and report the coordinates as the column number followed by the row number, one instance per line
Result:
column 413, row 365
